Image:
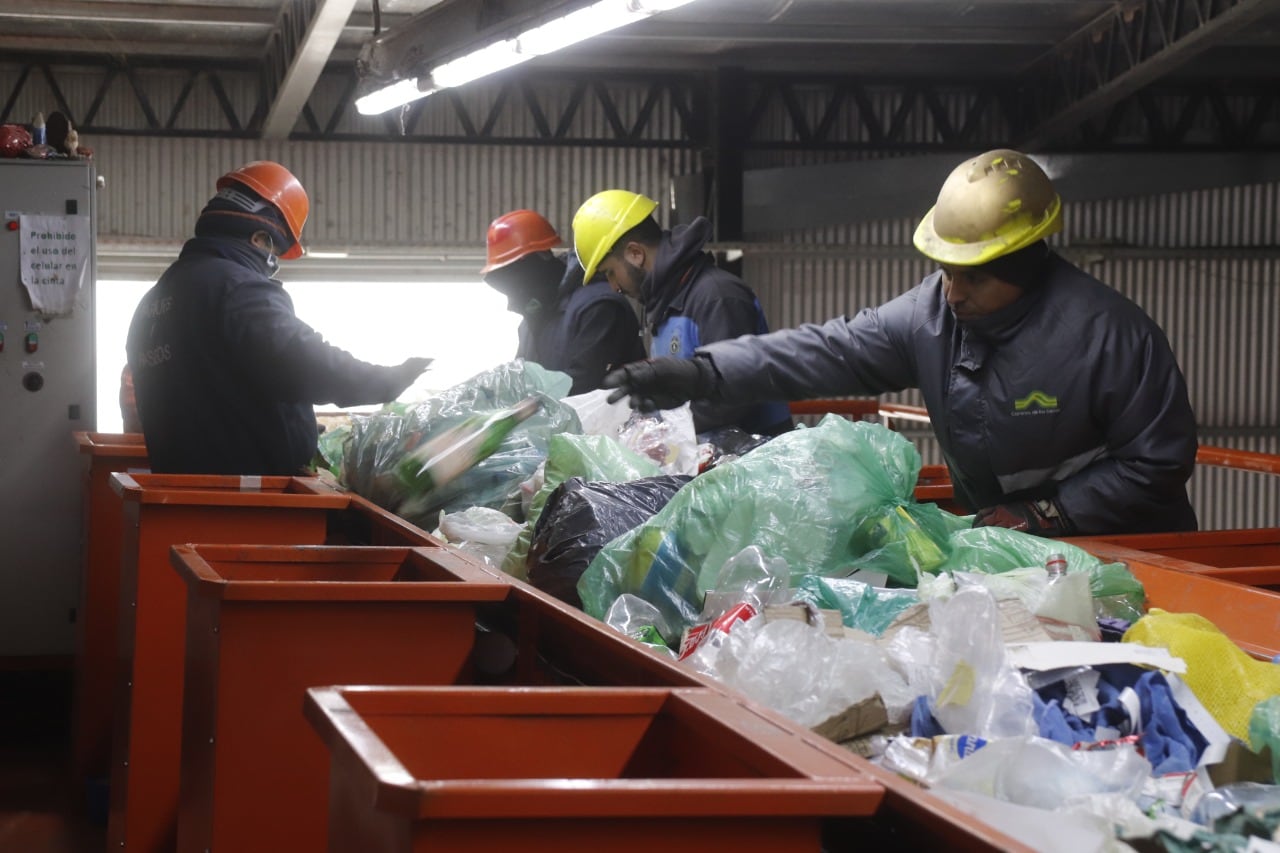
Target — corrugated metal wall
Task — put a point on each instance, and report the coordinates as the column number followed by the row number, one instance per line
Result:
column 370, row 195
column 1221, row 311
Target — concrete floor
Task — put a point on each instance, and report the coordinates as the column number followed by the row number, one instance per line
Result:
column 42, row 810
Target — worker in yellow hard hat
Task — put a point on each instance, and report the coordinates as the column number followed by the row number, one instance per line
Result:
column 1057, row 402
column 688, row 300
column 225, row 374
column 582, row 329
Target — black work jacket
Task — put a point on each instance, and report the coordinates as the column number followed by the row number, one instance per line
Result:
column 226, row 374
column 1072, row 393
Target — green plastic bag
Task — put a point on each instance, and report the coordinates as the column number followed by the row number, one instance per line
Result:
column 810, row 497
column 994, row 550
column 862, row 606
column 379, row 441
column 595, row 458
column 1264, row 731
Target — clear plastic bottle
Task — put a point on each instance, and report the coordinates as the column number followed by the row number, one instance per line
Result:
column 448, row 455
column 1055, row 566
column 38, row 130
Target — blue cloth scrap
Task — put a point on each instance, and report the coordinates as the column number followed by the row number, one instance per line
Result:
column 1169, row 739
column 923, row 723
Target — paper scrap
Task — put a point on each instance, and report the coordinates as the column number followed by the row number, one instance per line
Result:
column 1056, row 655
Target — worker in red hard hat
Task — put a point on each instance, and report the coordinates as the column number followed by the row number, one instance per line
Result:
column 582, row 330
column 225, row 374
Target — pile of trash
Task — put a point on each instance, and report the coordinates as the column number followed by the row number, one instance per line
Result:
column 1016, row 677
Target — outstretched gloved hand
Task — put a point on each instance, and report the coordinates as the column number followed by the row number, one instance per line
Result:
column 408, row 371
column 1040, row 518
column 662, row 383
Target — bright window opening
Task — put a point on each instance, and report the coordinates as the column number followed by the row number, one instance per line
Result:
column 464, row 326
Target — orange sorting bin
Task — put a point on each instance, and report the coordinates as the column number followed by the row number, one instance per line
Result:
column 160, row 511
column 263, row 624
column 562, row 770
column 1250, row 616
column 101, row 455
column 1249, row 556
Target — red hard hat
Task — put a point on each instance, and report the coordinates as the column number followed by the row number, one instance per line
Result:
column 276, row 185
column 516, row 234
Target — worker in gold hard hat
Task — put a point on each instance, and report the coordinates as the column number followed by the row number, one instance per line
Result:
column 1057, row 402
column 224, row 372
column 584, row 330
column 688, row 300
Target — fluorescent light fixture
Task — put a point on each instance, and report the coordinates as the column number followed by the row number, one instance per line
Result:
column 396, row 94
column 327, row 256
column 480, row 63
column 548, row 37
column 587, row 22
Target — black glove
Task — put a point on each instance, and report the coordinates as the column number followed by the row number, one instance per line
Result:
column 663, row 383
column 1039, row 518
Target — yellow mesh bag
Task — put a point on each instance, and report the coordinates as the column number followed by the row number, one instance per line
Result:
column 1227, row 681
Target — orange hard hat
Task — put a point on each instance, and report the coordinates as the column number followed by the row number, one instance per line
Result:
column 277, row 186
column 516, row 234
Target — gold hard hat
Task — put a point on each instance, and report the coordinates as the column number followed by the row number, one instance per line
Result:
column 995, row 204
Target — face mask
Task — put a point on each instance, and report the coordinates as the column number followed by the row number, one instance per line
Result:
column 273, row 264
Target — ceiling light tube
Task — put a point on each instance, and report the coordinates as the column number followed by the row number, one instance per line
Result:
column 653, row 7
column 480, row 63
column 579, row 25
column 585, row 23
column 394, row 95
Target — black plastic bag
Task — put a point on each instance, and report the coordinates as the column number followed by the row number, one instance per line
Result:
column 580, row 518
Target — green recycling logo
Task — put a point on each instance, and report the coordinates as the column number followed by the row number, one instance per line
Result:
column 1037, row 399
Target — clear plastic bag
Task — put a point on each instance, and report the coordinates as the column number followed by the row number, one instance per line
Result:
column 1032, row 771
column 796, row 669
column 481, row 532
column 639, row 620
column 379, row 441
column 975, row 691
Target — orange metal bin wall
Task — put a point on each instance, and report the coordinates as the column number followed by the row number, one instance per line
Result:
column 101, row 455
column 1249, row 556
column 264, row 624
column 160, row 511
column 628, row 770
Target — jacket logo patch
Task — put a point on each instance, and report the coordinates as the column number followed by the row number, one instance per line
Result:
column 675, row 345
column 1035, row 403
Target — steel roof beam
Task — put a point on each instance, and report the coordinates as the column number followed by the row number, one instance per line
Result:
column 298, row 51
column 1120, row 52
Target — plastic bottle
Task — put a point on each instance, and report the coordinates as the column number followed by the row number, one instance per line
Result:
column 1067, row 597
column 451, row 453
column 1055, row 566
column 37, row 130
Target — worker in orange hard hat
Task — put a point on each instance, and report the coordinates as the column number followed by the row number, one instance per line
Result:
column 1057, row 403
column 582, row 330
column 225, row 374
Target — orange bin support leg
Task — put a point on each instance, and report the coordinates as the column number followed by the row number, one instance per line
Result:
column 101, row 455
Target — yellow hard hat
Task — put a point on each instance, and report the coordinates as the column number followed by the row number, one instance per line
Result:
column 604, row 218
column 993, row 205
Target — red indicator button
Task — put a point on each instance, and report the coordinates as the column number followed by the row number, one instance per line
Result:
column 12, row 225
column 32, row 342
